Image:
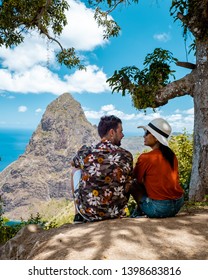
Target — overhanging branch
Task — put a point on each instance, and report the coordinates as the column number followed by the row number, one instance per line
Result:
column 186, row 64
column 181, row 87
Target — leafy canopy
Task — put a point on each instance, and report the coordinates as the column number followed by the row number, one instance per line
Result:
column 143, row 84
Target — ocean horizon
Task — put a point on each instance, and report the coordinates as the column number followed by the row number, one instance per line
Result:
column 13, row 143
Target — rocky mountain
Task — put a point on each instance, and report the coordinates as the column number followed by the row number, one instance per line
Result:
column 134, row 144
column 43, row 171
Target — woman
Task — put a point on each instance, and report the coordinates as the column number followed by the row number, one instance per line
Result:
column 157, row 193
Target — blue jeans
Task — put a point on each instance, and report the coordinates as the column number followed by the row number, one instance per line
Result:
column 161, row 208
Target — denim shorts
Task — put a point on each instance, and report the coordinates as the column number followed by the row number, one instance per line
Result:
column 161, row 208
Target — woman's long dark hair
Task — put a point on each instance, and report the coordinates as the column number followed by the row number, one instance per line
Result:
column 168, row 154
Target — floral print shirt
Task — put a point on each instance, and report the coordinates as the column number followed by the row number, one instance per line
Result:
column 105, row 181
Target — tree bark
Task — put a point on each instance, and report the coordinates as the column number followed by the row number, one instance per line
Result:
column 199, row 177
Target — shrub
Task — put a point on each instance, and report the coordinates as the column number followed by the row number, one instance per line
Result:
column 9, row 231
column 182, row 145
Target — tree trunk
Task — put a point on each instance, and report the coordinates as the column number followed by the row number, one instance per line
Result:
column 199, row 177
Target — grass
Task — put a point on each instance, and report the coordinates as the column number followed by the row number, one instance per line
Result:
column 57, row 212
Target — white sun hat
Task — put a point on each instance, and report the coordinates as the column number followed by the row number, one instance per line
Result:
column 159, row 128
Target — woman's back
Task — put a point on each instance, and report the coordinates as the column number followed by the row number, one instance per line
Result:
column 160, row 179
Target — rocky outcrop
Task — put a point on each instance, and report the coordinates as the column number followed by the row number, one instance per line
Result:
column 180, row 238
column 43, row 171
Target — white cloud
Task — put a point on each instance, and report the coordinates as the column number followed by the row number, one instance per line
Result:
column 162, row 37
column 22, row 109
column 111, row 110
column 92, row 80
column 82, row 32
column 189, row 111
column 39, row 79
column 26, row 55
column 93, row 114
column 107, row 107
column 39, row 110
column 175, row 117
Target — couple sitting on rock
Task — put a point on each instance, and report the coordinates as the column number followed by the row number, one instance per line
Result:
column 103, row 177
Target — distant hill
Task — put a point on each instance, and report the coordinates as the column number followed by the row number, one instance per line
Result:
column 133, row 144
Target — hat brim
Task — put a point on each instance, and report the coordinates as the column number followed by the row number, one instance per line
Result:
column 163, row 140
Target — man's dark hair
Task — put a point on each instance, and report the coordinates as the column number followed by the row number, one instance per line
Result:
column 106, row 123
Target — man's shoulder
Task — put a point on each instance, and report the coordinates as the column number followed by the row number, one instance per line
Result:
column 124, row 152
column 84, row 150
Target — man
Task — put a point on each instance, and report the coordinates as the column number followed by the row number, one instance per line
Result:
column 102, row 177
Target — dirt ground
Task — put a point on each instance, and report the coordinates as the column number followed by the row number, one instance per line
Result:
column 183, row 237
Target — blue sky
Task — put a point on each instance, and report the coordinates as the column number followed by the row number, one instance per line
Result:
column 30, row 77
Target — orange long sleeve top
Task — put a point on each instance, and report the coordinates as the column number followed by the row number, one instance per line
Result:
column 160, row 180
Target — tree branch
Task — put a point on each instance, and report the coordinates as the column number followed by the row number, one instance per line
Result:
column 181, row 17
column 186, row 64
column 184, row 86
column 41, row 12
column 114, row 7
column 52, row 39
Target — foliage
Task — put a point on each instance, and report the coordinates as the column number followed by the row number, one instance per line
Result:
column 182, row 145
column 7, row 232
column 131, row 206
column 142, row 85
column 111, row 27
column 69, row 58
column 20, row 16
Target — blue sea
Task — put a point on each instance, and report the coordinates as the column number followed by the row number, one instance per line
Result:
column 13, row 143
